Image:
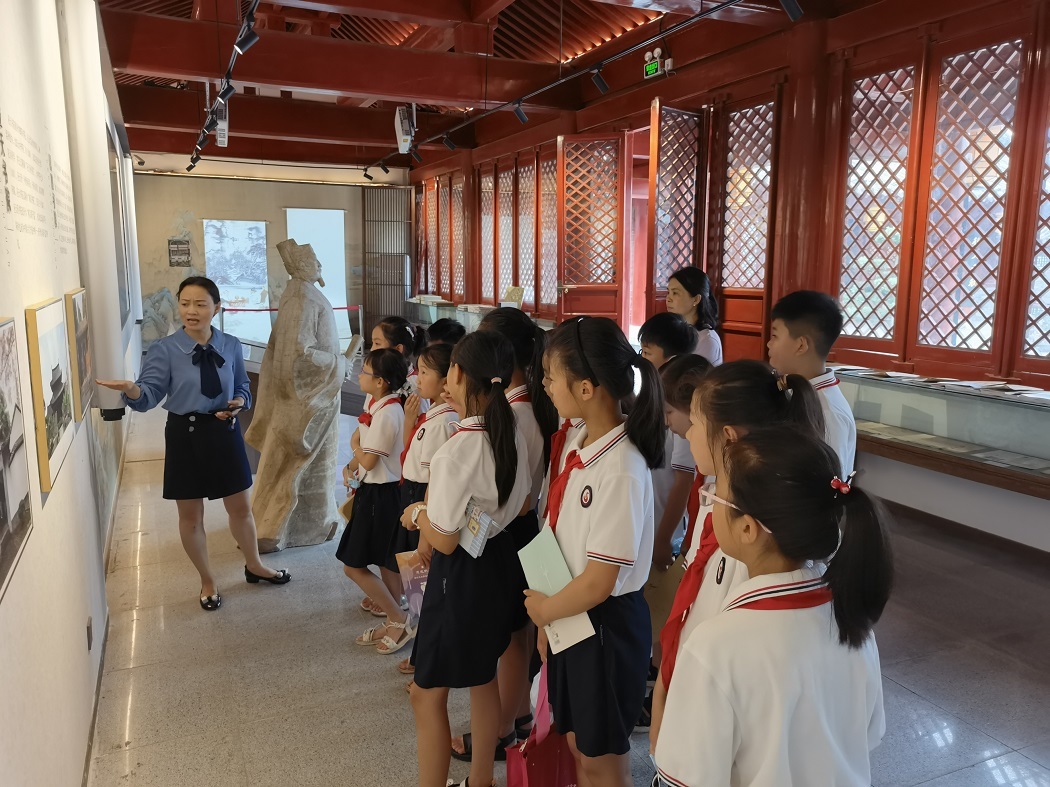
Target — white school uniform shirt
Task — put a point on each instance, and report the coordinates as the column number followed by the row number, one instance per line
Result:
column 464, row 467
column 529, row 428
column 384, row 438
column 770, row 698
column 431, row 435
column 709, row 346
column 607, row 511
column 679, row 460
column 840, row 428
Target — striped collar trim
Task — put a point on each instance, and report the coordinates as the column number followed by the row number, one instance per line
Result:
column 381, row 403
column 773, row 591
column 475, row 423
column 441, row 409
column 826, row 380
column 519, row 394
column 601, row 447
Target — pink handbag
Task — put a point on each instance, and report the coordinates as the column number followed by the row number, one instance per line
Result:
column 545, row 759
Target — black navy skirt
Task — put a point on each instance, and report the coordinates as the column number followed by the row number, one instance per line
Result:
column 371, row 533
column 411, row 492
column 204, row 457
column 597, row 686
column 470, row 608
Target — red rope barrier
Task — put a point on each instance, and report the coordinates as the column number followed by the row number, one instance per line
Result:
column 334, row 308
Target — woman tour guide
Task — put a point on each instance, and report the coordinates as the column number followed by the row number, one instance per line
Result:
column 199, row 373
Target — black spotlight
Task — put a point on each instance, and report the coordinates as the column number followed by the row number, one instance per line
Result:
column 449, row 143
column 792, row 9
column 190, row 167
column 599, row 81
column 385, row 168
column 367, row 176
column 519, row 113
column 202, row 141
column 195, row 158
column 248, row 39
column 416, row 156
column 227, row 91
column 210, row 123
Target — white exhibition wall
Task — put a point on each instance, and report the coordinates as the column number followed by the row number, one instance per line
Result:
column 57, row 234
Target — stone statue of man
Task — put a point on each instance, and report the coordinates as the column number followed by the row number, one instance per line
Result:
column 296, row 422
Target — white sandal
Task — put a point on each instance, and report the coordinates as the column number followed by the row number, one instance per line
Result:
column 368, row 638
column 388, row 644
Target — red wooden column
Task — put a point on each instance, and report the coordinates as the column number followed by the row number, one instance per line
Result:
column 801, row 186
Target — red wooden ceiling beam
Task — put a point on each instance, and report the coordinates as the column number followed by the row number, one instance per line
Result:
column 183, row 49
column 484, row 10
column 167, row 109
column 436, row 13
column 144, row 140
column 217, row 11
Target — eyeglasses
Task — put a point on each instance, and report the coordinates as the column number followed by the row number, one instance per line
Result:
column 708, row 498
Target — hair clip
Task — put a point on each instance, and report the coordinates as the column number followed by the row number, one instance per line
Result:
column 782, row 384
column 842, row 487
column 496, row 381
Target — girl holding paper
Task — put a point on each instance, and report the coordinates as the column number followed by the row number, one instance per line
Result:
column 471, row 605
column 600, row 507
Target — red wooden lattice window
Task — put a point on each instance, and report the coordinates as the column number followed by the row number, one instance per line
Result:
column 548, row 242
column 505, row 202
column 873, row 214
column 1037, row 316
column 966, row 216
column 432, row 238
column 444, row 256
column 749, row 166
column 421, row 243
column 527, row 232
column 676, row 193
column 592, row 202
column 488, row 243
column 459, row 284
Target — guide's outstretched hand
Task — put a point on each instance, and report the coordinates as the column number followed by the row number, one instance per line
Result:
column 126, row 387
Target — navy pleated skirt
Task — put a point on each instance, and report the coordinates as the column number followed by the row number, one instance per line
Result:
column 204, row 457
column 411, row 492
column 370, row 537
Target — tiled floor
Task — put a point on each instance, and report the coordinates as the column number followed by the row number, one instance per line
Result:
column 271, row 690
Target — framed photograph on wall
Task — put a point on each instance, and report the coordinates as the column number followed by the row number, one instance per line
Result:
column 16, row 511
column 82, row 366
column 52, row 386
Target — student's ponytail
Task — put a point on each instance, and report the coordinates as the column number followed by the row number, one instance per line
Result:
column 529, row 341
column 860, row 574
column 788, row 481
column 803, row 404
column 646, row 425
column 400, row 332
column 595, row 349
column 487, row 361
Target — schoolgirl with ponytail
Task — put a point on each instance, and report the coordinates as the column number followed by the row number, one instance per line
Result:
column 600, row 507
column 728, row 402
column 471, row 605
column 783, row 685
column 536, row 420
column 397, row 333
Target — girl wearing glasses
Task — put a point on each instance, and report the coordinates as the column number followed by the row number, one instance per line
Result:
column 600, row 507
column 783, row 685
column 371, row 534
column 728, row 402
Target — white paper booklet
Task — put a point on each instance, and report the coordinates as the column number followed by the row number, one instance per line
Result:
column 547, row 572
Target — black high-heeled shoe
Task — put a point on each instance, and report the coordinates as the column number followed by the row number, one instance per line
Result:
column 212, row 602
column 282, row 577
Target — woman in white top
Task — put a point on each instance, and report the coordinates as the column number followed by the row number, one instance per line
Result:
column 689, row 295
column 471, row 605
column 783, row 686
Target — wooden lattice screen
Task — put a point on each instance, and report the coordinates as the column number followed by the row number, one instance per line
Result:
column 488, row 235
column 527, row 231
column 459, row 284
column 965, row 220
column 675, row 215
column 505, row 201
column 591, row 209
column 445, row 237
column 548, row 244
column 873, row 214
column 433, row 253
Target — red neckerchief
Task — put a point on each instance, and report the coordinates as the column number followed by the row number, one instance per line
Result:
column 803, row 594
column 365, row 419
column 419, row 422
column 693, row 507
column 557, row 488
column 557, row 447
column 684, row 598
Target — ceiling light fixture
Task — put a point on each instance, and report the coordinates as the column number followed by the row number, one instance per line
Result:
column 416, row 156
column 248, row 38
column 367, row 176
column 385, row 168
column 519, row 113
column 228, row 90
column 599, row 80
column 449, row 143
column 210, row 123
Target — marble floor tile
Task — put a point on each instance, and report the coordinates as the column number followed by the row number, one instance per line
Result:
column 923, row 741
column 194, row 760
column 903, row 633
column 1011, row 770
column 1040, row 753
column 170, row 632
column 999, row 697
column 160, row 702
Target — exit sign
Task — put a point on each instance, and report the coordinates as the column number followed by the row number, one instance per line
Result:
column 653, row 69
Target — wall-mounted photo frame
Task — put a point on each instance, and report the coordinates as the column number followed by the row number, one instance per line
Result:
column 82, row 366
column 52, row 387
column 16, row 510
